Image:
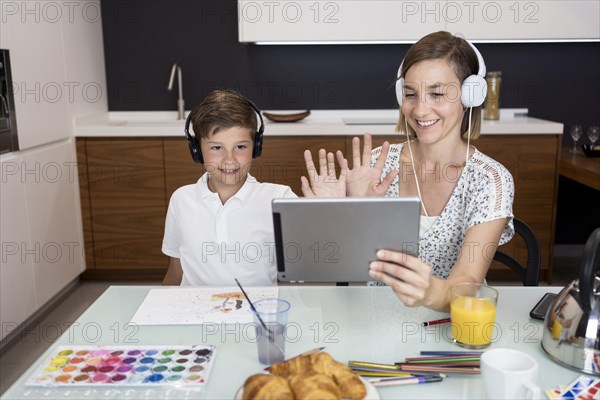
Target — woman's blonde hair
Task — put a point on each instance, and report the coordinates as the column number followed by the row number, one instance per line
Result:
column 461, row 58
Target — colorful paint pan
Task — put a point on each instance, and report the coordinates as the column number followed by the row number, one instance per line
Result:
column 143, row 366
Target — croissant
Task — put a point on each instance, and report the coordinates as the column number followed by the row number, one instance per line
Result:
column 314, row 387
column 323, row 363
column 267, row 387
column 304, row 368
column 295, row 366
column 350, row 385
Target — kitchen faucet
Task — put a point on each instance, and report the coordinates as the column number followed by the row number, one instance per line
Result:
column 180, row 101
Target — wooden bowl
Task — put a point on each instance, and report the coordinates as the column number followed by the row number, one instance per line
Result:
column 294, row 117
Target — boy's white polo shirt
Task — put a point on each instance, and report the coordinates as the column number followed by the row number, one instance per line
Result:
column 218, row 242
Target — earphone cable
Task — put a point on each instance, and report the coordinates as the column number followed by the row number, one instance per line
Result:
column 468, row 136
column 412, row 161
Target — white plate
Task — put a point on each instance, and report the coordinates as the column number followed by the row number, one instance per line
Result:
column 372, row 393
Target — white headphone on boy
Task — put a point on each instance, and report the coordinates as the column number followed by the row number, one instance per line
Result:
column 473, row 89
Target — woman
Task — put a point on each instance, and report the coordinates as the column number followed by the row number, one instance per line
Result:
column 466, row 197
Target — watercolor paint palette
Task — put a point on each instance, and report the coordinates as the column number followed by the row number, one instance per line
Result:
column 181, row 366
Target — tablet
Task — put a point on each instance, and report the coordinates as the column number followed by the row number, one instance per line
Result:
column 334, row 240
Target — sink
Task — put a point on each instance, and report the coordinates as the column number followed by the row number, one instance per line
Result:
column 141, row 119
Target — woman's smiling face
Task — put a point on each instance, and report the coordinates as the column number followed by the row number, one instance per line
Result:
column 431, row 101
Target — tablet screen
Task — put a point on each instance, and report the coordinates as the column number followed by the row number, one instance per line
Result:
column 334, row 240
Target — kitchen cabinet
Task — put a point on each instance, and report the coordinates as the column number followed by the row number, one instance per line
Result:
column 408, row 21
column 57, row 63
column 124, row 204
column 42, row 241
column 525, row 20
column 129, row 181
column 39, row 93
column 55, row 227
column 16, row 274
column 340, row 21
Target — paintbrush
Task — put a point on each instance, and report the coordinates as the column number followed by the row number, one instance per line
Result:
column 271, row 338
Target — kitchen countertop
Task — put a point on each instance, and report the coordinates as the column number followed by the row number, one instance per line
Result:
column 319, row 122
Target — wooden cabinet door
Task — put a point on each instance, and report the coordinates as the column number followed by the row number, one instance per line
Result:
column 532, row 161
column 180, row 169
column 126, row 184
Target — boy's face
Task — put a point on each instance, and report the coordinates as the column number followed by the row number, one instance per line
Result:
column 227, row 156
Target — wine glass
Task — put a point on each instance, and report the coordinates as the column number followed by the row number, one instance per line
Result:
column 593, row 133
column 576, row 133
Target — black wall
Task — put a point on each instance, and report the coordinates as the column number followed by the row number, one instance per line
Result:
column 142, row 39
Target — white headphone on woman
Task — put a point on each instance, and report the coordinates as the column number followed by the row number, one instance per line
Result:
column 473, row 89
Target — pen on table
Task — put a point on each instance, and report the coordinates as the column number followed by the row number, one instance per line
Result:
column 406, row 381
column 436, row 322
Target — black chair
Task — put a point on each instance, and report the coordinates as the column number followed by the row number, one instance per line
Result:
column 530, row 274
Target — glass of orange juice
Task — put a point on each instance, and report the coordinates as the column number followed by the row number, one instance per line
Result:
column 473, row 311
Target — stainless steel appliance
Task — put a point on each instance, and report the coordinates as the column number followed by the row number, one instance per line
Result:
column 572, row 326
column 8, row 119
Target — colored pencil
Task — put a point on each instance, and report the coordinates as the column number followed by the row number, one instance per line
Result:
column 440, row 359
column 367, row 369
column 445, row 364
column 449, row 353
column 399, row 374
column 436, row 322
column 384, row 374
column 407, row 381
column 372, row 365
column 414, row 376
column 433, row 368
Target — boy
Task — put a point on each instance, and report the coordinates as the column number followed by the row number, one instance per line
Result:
column 220, row 228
